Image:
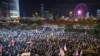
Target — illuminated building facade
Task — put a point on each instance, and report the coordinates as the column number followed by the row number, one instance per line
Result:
column 98, row 12
column 42, row 10
column 10, row 9
column 14, row 8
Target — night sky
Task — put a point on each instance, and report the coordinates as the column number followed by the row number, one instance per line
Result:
column 60, row 7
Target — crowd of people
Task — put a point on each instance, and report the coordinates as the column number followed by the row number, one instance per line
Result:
column 47, row 41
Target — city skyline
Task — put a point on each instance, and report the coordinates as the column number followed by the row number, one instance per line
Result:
column 57, row 7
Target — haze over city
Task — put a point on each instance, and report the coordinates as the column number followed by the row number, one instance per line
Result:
column 49, row 28
column 61, row 7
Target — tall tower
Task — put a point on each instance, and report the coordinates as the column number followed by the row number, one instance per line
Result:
column 14, row 8
column 98, row 12
column 42, row 10
column 5, row 8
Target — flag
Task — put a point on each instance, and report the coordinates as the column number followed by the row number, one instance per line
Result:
column 12, row 42
column 76, row 53
column 65, row 47
column 9, row 44
column 31, row 44
column 0, row 48
column 62, row 52
column 81, row 52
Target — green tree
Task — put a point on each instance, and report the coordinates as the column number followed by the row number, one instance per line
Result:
column 97, row 30
column 69, row 27
column 39, row 22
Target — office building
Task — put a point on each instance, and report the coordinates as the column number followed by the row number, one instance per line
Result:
column 42, row 10
column 10, row 8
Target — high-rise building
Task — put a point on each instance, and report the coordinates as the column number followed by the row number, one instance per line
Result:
column 4, row 8
column 10, row 8
column 87, row 14
column 14, row 8
column 42, row 10
column 48, row 15
column 70, row 14
column 98, row 12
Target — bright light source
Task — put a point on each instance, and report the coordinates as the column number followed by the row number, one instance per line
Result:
column 70, row 12
column 79, row 12
column 14, row 14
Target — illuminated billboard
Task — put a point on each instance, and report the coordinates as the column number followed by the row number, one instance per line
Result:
column 14, row 9
column 14, row 14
